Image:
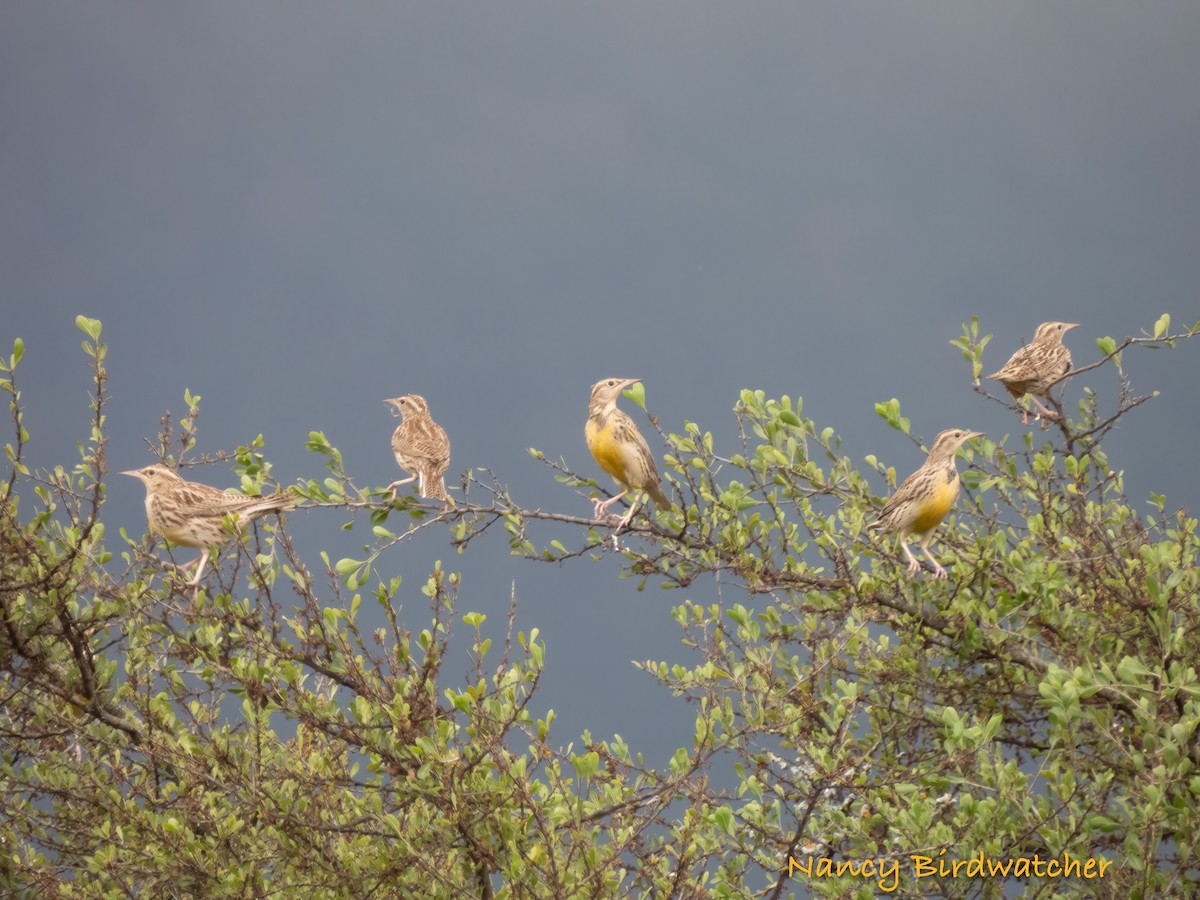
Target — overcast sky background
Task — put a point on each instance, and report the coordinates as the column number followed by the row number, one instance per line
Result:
column 299, row 209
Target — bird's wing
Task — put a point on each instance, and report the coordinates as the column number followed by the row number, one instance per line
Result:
column 625, row 425
column 1018, row 367
column 893, row 512
column 425, row 441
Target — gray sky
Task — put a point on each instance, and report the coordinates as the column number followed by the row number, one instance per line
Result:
column 299, row 209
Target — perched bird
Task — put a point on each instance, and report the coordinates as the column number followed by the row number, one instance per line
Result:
column 1037, row 365
column 924, row 498
column 421, row 448
column 619, row 448
column 194, row 515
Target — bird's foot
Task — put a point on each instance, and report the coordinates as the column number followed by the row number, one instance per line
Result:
column 600, row 507
column 1044, row 412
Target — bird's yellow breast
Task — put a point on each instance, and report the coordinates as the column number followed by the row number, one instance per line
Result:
column 607, row 450
column 936, row 504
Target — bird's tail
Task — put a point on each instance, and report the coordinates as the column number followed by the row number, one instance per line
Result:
column 661, row 500
column 278, row 502
column 434, row 488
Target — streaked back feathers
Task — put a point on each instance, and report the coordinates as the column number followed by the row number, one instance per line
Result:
column 616, row 443
column 925, row 497
column 1037, row 365
column 421, row 446
column 193, row 514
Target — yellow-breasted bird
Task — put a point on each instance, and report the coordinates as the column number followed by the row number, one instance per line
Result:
column 619, row 448
column 193, row 515
column 925, row 497
column 1037, row 365
column 421, row 447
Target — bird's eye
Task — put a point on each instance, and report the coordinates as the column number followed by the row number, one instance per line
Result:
column 612, row 384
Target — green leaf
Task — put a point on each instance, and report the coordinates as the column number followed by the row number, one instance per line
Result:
column 1163, row 325
column 890, row 411
column 1108, row 346
column 586, row 765
column 18, row 352
column 637, row 393
column 680, row 761
column 90, row 327
column 722, row 817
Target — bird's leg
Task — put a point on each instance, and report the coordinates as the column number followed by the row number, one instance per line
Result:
column 202, row 559
column 199, row 562
column 403, row 481
column 913, row 565
column 938, row 571
column 600, row 507
column 627, row 518
column 1043, row 412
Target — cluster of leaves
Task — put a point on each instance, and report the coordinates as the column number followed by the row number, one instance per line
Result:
column 288, row 731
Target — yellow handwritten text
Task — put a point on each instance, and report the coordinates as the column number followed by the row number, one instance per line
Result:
column 887, row 871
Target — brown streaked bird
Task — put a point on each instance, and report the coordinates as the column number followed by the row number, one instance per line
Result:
column 619, row 448
column 194, row 515
column 421, row 447
column 1037, row 365
column 924, row 498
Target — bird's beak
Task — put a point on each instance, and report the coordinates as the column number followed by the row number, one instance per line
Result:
column 975, row 434
column 132, row 473
column 1069, row 327
column 629, row 382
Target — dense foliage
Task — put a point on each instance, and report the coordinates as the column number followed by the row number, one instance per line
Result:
column 287, row 732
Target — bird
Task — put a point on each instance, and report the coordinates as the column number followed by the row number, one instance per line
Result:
column 925, row 497
column 194, row 515
column 421, row 447
column 1037, row 366
column 619, row 448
